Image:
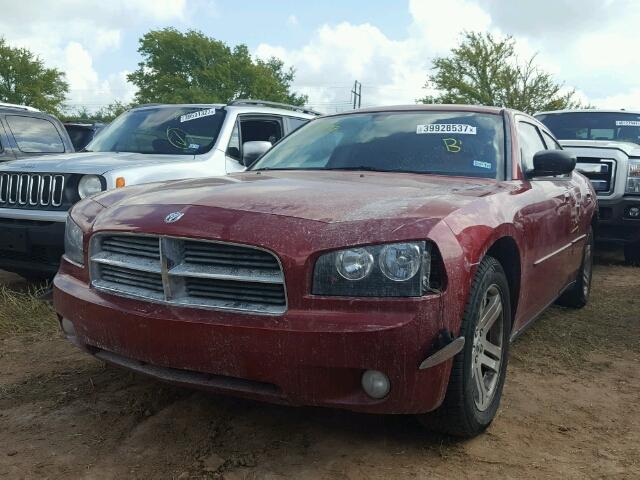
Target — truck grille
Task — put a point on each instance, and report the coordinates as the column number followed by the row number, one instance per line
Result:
column 31, row 190
column 188, row 272
column 600, row 171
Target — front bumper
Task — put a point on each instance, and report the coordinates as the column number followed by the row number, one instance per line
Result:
column 300, row 358
column 616, row 224
column 31, row 246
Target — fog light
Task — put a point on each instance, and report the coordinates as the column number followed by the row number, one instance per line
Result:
column 634, row 212
column 68, row 328
column 375, row 384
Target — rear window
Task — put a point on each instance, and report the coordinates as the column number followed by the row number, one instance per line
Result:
column 35, row 135
column 616, row 126
column 80, row 136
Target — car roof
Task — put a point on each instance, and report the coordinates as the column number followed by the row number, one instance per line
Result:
column 427, row 107
column 590, row 110
column 14, row 106
column 244, row 106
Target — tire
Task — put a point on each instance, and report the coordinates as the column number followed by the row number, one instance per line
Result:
column 464, row 412
column 578, row 295
column 632, row 254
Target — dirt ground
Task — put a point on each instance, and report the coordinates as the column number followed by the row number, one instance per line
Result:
column 571, row 409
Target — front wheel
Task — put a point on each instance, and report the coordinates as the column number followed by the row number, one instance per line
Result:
column 478, row 372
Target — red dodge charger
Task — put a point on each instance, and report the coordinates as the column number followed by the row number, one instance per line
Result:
column 379, row 260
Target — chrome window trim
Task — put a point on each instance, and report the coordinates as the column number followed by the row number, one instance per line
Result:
column 165, row 272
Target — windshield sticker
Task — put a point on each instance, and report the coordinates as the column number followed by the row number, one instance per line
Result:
column 446, row 128
column 194, row 146
column 452, row 145
column 627, row 123
column 198, row 114
column 479, row 164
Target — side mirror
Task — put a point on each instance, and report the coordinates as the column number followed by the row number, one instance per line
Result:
column 251, row 151
column 549, row 163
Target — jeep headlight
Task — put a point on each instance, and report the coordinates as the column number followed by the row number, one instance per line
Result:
column 73, row 242
column 89, row 185
column 388, row 270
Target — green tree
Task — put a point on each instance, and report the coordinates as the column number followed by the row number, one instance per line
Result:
column 105, row 114
column 190, row 67
column 25, row 80
column 484, row 70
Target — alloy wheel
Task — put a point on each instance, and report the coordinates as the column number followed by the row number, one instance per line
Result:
column 488, row 343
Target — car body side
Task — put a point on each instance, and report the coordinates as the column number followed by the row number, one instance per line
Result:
column 536, row 228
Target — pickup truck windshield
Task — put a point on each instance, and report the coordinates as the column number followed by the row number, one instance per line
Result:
column 162, row 130
column 618, row 126
column 444, row 143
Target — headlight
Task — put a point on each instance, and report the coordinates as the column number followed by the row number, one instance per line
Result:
column 89, row 185
column 633, row 178
column 391, row 270
column 73, row 245
column 354, row 264
column 401, row 261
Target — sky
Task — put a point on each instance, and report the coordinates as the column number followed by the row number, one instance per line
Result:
column 589, row 45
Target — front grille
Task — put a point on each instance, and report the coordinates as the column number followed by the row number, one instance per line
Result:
column 600, row 171
column 31, row 190
column 188, row 272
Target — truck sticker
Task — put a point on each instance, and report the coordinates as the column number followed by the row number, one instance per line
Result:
column 452, row 145
column 446, row 128
column 199, row 114
column 479, row 164
column 627, row 123
column 194, row 146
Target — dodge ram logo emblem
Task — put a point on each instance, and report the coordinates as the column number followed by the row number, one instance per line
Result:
column 173, row 217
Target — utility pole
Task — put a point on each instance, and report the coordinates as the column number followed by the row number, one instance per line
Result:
column 357, row 94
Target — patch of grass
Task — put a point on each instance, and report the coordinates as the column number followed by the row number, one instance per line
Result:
column 567, row 338
column 22, row 313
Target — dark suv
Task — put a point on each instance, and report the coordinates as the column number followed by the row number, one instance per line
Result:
column 81, row 133
column 27, row 132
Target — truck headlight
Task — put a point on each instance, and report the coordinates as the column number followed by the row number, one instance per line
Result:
column 633, row 178
column 73, row 242
column 89, row 185
column 387, row 270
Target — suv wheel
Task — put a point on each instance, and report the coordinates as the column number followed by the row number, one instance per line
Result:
column 478, row 372
column 578, row 295
column 632, row 254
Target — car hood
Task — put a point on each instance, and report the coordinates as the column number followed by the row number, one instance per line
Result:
column 329, row 196
column 630, row 148
column 89, row 162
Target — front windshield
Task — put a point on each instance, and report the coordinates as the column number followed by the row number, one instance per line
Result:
column 617, row 126
column 162, row 130
column 443, row 143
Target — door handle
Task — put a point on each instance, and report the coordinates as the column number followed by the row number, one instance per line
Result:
column 567, row 196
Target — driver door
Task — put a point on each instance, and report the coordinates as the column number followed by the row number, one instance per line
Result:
column 546, row 218
column 249, row 128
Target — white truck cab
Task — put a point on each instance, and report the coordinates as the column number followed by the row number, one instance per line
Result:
column 607, row 146
column 146, row 144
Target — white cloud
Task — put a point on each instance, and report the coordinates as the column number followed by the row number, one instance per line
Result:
column 71, row 34
column 292, row 20
column 588, row 45
column 391, row 71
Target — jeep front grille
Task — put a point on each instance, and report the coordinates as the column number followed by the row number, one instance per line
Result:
column 188, row 272
column 600, row 171
column 31, row 190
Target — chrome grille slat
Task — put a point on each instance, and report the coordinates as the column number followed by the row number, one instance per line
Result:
column 197, row 273
column 31, row 190
column 600, row 171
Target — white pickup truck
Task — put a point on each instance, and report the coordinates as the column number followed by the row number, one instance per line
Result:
column 146, row 144
column 606, row 144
